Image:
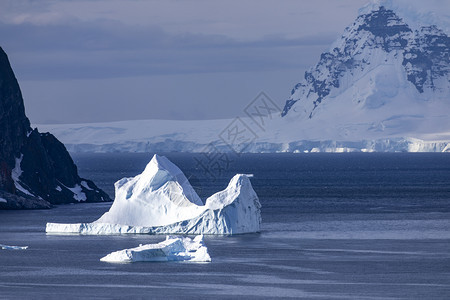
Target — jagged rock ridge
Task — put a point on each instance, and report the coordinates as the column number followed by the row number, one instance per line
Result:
column 35, row 168
column 374, row 38
column 427, row 58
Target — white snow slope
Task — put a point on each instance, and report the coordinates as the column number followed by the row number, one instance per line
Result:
column 418, row 131
column 161, row 201
column 172, row 249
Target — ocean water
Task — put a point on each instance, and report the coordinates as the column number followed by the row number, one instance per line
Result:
column 335, row 226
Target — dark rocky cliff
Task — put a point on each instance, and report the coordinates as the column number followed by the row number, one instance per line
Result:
column 35, row 168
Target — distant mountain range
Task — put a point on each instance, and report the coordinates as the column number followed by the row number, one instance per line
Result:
column 382, row 86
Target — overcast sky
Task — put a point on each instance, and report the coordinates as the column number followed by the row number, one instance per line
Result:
column 108, row 60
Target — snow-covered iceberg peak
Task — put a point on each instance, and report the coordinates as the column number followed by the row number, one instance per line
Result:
column 160, row 195
column 161, row 201
column 159, row 171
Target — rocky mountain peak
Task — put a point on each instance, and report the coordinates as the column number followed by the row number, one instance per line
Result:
column 379, row 37
column 35, row 169
column 383, row 23
column 14, row 125
column 427, row 59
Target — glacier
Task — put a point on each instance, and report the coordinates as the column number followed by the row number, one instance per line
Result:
column 172, row 249
column 161, row 200
column 416, row 132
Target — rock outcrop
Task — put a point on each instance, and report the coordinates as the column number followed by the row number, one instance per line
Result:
column 35, row 168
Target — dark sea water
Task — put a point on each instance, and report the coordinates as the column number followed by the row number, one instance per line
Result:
column 335, row 226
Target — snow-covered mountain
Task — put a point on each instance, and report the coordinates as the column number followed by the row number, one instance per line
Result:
column 384, row 85
column 377, row 60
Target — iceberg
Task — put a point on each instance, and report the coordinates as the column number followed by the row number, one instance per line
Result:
column 6, row 247
column 172, row 249
column 161, row 200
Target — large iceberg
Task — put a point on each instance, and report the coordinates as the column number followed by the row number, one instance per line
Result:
column 172, row 249
column 162, row 201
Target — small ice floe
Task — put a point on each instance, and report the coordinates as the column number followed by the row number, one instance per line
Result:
column 6, row 247
column 172, row 249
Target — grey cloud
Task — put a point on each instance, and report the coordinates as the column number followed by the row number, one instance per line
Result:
column 105, row 49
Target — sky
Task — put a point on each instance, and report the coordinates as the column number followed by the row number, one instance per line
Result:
column 80, row 61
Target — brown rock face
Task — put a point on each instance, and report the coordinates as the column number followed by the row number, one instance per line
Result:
column 35, row 169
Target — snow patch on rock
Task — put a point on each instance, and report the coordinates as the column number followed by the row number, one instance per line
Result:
column 15, row 174
column 78, row 193
column 86, row 186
